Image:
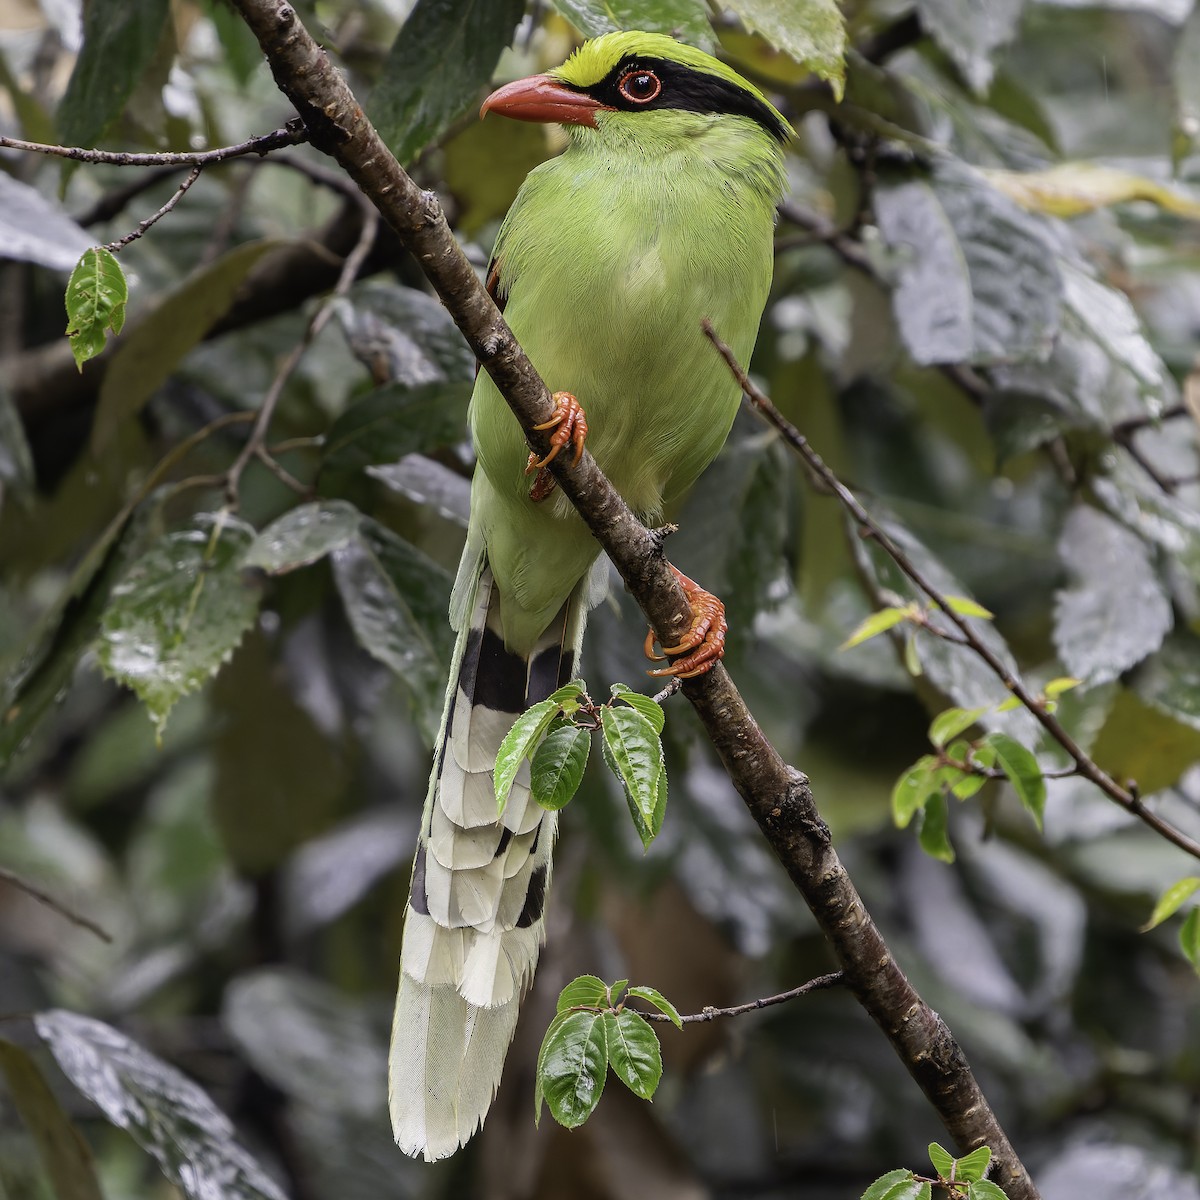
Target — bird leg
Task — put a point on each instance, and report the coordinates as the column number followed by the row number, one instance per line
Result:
column 703, row 645
column 570, row 428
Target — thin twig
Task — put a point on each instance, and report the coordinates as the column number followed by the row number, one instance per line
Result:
column 820, row 984
column 292, row 134
column 120, row 244
column 1127, row 798
column 255, row 446
column 58, row 906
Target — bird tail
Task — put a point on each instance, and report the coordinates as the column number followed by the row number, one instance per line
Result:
column 474, row 925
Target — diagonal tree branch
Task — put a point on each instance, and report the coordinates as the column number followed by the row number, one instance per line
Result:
column 778, row 796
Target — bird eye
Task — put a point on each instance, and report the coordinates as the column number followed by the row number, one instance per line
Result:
column 640, row 87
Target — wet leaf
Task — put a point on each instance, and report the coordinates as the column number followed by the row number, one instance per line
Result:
column 120, row 39
column 1022, row 771
column 303, row 535
column 1071, row 188
column 635, row 753
column 971, row 33
column 518, row 744
column 192, row 1140
column 1140, row 742
column 65, row 1156
column 96, row 297
column 634, row 1052
column 934, row 836
column 1170, row 679
column 655, row 997
column 443, row 55
column 584, row 991
column 684, row 19
column 179, row 613
column 949, row 724
column 427, row 482
column 984, row 1189
column 811, row 32
column 556, row 769
column 1115, row 611
column 571, row 1067
column 35, row 229
column 897, row 1185
column 653, row 712
column 913, row 789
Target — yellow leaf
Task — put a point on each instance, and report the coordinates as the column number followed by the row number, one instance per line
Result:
column 1072, row 188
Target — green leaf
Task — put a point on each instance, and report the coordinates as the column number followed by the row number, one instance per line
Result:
column 942, row 1160
column 120, row 39
column 584, row 991
column 978, row 279
column 634, row 1052
column 303, row 535
column 971, row 33
column 395, row 599
column 152, row 350
column 1022, row 771
column 935, row 831
column 985, row 1189
column 812, row 32
column 65, row 1156
column 569, row 695
column 1142, row 742
column 96, row 297
column 646, row 705
column 913, row 789
column 655, row 997
column 518, row 744
column 192, row 1140
column 391, row 422
column 972, row 1167
column 1056, row 687
column 556, row 769
column 966, row 607
column 179, row 613
column 897, row 1185
column 684, row 19
column 634, row 750
column 951, row 723
column 1189, row 938
column 877, row 623
column 1170, row 902
column 1107, row 621
column 571, row 1067
column 443, row 55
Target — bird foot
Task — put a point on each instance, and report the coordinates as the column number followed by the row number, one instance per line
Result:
column 570, row 428
column 703, row 645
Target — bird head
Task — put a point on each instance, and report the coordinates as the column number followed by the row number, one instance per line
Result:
column 620, row 79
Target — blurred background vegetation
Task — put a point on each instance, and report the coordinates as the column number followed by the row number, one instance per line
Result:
column 998, row 358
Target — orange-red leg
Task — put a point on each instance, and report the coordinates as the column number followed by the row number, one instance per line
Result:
column 570, row 429
column 703, row 645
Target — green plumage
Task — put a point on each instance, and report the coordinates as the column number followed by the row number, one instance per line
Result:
column 609, row 258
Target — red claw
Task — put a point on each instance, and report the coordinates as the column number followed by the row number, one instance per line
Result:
column 570, row 428
column 703, row 645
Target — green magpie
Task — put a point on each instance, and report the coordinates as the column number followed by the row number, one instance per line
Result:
column 660, row 212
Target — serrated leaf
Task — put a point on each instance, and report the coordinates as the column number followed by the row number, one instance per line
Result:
column 634, row 748
column 684, row 19
column 443, row 55
column 1170, row 902
column 518, row 744
column 972, row 1167
column 395, row 599
column 966, row 607
column 584, row 991
column 985, row 1189
column 812, row 32
column 572, row 1065
column 65, row 1156
column 634, row 1052
column 646, row 705
column 192, row 1140
column 934, row 836
column 179, row 613
column 942, row 1159
column 151, row 351
column 912, row 790
column 568, row 696
column 978, row 278
column 1189, row 938
column 1022, row 771
column 96, row 297
column 556, row 769
column 392, row 422
column 1115, row 612
column 952, row 722
column 877, row 623
column 120, row 39
column 655, row 997
column 304, row 535
column 897, row 1185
